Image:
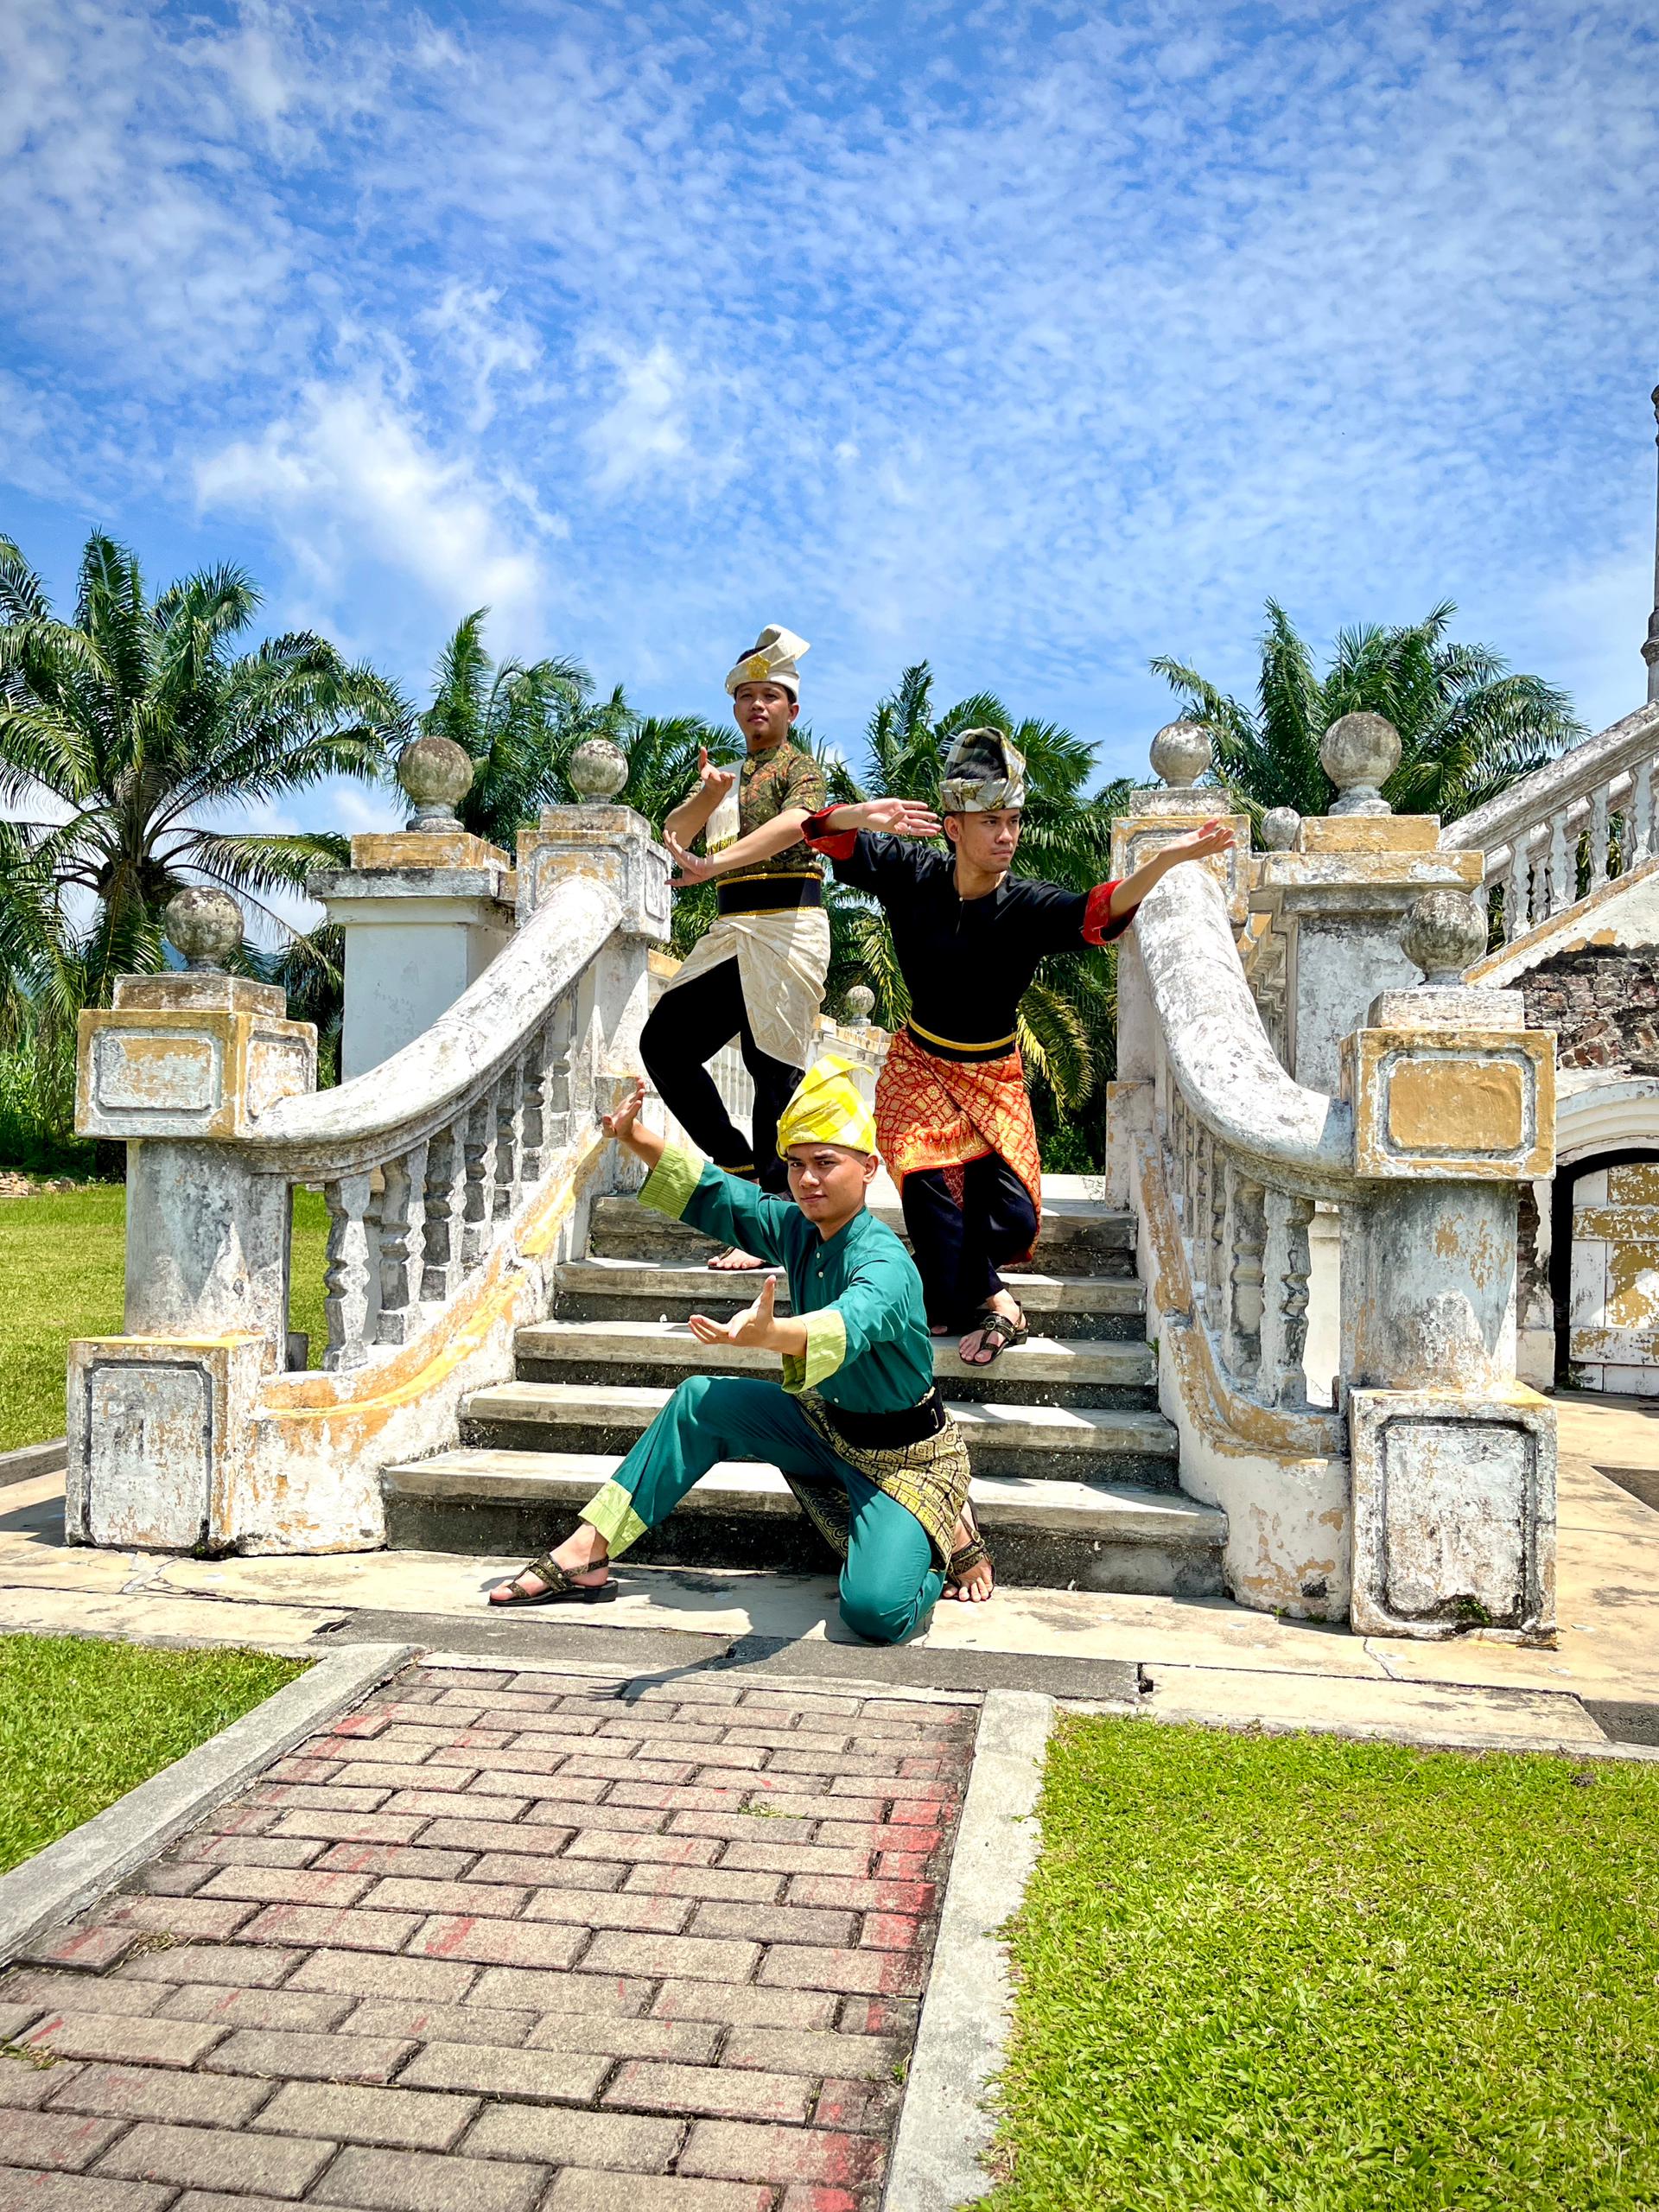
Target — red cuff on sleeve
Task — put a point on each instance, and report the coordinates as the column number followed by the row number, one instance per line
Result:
column 836, row 844
column 1098, row 926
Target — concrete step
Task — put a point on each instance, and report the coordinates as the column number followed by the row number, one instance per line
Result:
column 1066, row 1443
column 1046, row 1371
column 1078, row 1236
column 1062, row 1534
column 1096, row 1307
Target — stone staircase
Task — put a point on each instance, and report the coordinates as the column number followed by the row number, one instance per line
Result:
column 1074, row 1467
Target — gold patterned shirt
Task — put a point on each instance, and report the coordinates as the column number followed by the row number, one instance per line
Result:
column 769, row 784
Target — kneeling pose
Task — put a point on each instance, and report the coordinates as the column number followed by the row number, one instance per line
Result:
column 856, row 1425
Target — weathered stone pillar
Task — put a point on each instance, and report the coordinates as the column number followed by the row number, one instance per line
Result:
column 1453, row 1460
column 181, row 1065
column 1158, row 815
column 423, row 910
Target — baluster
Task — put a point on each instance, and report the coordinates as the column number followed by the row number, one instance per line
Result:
column 446, row 1199
column 346, row 1276
column 1246, row 1235
column 1598, row 838
column 402, row 1245
column 1198, row 1266
column 1284, row 1318
column 1641, row 814
column 1517, row 889
column 531, row 1117
column 509, row 1109
column 480, row 1206
column 557, row 1085
column 1215, row 1236
column 1563, row 866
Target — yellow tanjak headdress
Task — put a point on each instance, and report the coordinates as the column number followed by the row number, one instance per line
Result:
column 772, row 659
column 828, row 1109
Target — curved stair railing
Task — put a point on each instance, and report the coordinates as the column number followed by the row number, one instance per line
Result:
column 1384, row 1510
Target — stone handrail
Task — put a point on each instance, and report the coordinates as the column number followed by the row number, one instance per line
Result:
column 1572, row 826
column 1219, row 1054
column 441, row 1074
column 1245, row 1150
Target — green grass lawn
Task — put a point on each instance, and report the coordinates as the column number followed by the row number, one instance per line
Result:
column 1332, row 1977
column 61, row 1265
column 83, row 1721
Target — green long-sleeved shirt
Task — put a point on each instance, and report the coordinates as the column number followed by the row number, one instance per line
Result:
column 867, row 1347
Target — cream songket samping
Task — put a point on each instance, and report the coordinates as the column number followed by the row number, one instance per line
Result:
column 772, row 920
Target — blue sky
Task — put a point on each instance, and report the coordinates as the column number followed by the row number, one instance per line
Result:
column 1032, row 340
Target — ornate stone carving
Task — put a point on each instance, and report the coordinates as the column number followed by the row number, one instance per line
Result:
column 1278, row 827
column 205, row 925
column 437, row 774
column 1445, row 932
column 1180, row 753
column 1359, row 753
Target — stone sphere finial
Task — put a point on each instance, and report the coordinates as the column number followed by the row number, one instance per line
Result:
column 860, row 1005
column 437, row 774
column 1359, row 753
column 1180, row 753
column 1444, row 933
column 597, row 770
column 205, row 925
column 1278, row 827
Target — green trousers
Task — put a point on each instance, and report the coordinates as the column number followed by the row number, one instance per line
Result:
column 890, row 1583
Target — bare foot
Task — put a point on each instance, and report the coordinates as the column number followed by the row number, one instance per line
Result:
column 734, row 1261
column 585, row 1557
column 977, row 1584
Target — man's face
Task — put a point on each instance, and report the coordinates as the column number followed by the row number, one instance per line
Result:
column 763, row 712
column 987, row 841
column 827, row 1181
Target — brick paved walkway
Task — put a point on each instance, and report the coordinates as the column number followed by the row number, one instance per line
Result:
column 496, row 1941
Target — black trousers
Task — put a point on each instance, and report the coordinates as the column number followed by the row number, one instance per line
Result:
column 959, row 1247
column 690, row 1024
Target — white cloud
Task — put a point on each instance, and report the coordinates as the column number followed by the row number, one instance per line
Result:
column 351, row 478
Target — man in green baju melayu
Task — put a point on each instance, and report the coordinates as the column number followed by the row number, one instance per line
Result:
column 855, row 1424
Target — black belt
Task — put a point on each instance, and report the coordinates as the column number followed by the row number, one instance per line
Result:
column 768, row 895
column 889, row 1432
column 952, row 1048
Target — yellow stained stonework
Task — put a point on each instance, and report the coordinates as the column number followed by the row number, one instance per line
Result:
column 196, row 1072
column 1471, row 1104
column 1635, row 1184
column 1370, row 833
column 422, row 848
column 1456, row 1106
column 1136, row 837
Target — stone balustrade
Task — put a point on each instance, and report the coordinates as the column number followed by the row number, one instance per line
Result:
column 1422, row 1500
column 1569, row 830
column 456, row 1174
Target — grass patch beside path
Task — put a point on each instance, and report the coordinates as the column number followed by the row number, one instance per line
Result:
column 62, row 1268
column 83, row 1721
column 1294, row 1972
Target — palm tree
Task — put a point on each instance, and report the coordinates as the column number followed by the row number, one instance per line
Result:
column 124, row 732
column 1067, row 1018
column 1468, row 726
column 515, row 721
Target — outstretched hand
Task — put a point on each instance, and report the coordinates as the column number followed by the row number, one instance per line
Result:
column 900, row 817
column 688, row 867
column 620, row 1122
column 1215, row 836
column 753, row 1326
column 713, row 779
